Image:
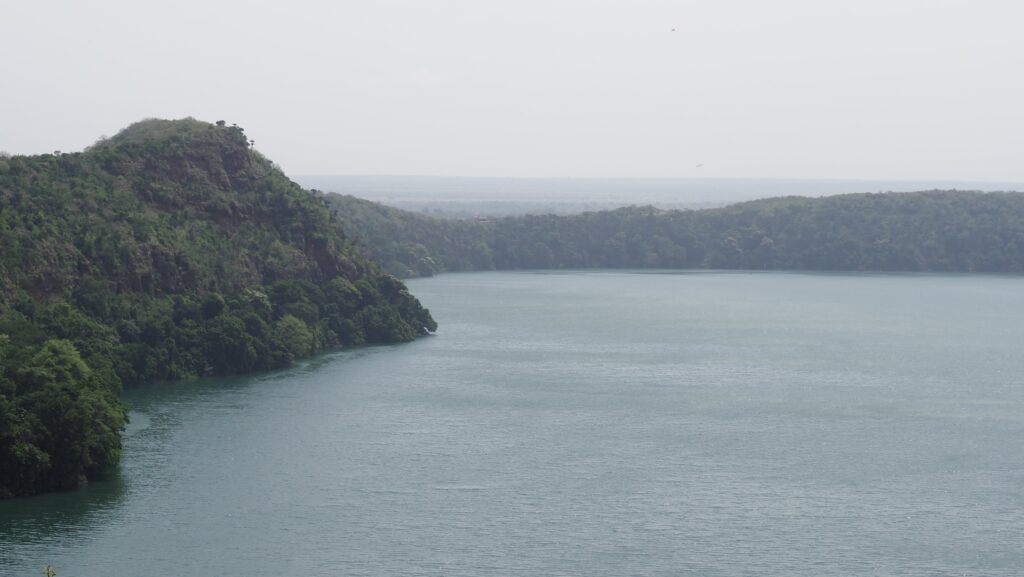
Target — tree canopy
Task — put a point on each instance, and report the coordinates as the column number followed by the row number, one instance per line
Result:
column 170, row 250
column 941, row 231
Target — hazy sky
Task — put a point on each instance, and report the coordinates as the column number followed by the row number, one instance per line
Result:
column 890, row 89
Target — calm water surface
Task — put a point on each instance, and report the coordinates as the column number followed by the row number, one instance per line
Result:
column 588, row 424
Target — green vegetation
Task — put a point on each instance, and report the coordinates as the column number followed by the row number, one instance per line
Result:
column 946, row 231
column 172, row 250
column 410, row 244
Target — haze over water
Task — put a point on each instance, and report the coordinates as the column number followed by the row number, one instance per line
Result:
column 476, row 196
column 600, row 423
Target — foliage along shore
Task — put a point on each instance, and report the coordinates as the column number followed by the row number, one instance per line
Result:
column 171, row 250
column 932, row 231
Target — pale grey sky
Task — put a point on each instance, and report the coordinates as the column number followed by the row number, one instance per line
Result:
column 874, row 89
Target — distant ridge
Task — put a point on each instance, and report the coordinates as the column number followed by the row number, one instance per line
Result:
column 468, row 196
column 937, row 231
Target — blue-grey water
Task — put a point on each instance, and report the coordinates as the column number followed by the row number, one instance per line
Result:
column 588, row 424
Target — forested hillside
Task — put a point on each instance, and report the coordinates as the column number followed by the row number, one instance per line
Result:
column 169, row 251
column 947, row 231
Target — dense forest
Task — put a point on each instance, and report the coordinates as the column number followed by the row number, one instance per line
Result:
column 942, row 231
column 171, row 250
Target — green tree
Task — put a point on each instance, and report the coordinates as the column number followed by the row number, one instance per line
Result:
column 291, row 339
column 66, row 427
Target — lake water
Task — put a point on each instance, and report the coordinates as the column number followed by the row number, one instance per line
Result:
column 588, row 424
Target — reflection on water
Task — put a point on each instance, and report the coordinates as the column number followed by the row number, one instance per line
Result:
column 33, row 530
column 43, row 520
column 588, row 424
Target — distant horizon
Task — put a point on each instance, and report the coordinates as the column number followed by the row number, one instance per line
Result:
column 494, row 194
column 686, row 178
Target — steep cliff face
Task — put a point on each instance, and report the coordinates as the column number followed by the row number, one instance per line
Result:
column 169, row 251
